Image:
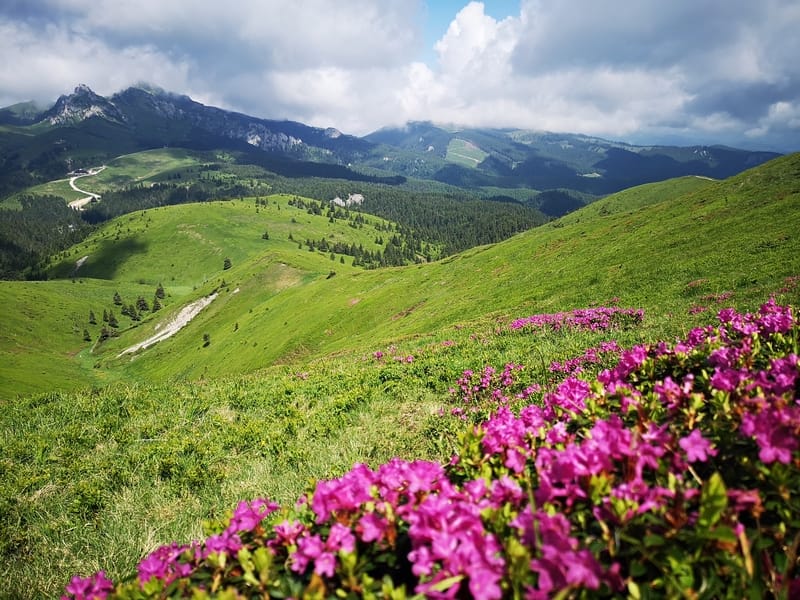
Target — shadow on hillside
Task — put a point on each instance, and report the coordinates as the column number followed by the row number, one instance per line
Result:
column 111, row 255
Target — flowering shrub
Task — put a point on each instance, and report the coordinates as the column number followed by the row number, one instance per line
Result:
column 591, row 356
column 676, row 473
column 590, row 319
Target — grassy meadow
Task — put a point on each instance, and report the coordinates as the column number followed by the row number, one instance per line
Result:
column 145, row 168
column 464, row 153
column 105, row 458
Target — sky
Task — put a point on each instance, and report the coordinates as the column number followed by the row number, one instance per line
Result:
column 641, row 71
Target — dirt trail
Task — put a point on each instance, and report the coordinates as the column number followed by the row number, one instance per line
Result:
column 79, row 204
column 186, row 314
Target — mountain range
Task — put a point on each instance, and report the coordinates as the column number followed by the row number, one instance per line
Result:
column 82, row 129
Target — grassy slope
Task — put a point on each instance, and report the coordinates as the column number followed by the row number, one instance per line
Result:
column 287, row 309
column 644, row 256
column 97, row 478
column 42, row 333
column 182, row 247
column 464, row 153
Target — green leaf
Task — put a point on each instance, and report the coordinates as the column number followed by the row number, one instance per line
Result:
column 653, row 540
column 722, row 533
column 634, row 591
column 446, row 584
column 713, row 501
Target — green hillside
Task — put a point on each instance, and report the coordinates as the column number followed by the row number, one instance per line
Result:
column 645, row 257
column 644, row 245
column 333, row 369
column 184, row 249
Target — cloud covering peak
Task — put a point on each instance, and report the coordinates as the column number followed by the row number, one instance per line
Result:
column 685, row 71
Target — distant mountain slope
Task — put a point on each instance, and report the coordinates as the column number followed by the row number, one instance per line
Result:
column 544, row 160
column 83, row 128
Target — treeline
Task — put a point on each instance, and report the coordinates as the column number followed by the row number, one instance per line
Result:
column 142, row 197
column 456, row 224
column 402, row 247
column 450, row 221
column 399, row 250
column 43, row 226
column 300, row 169
column 456, row 221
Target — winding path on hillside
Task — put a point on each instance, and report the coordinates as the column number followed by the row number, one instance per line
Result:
column 186, row 314
column 79, row 204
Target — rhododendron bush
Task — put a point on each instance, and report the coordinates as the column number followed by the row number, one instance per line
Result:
column 675, row 473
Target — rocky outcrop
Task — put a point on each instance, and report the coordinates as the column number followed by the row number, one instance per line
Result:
column 82, row 104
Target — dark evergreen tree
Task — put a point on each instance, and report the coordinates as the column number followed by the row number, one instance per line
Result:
column 160, row 292
column 92, row 320
column 112, row 320
column 141, row 304
column 226, row 264
column 86, row 336
column 117, row 299
column 156, row 304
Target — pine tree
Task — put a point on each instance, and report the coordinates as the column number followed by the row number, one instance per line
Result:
column 117, row 299
column 86, row 336
column 226, row 264
column 92, row 320
column 105, row 316
column 156, row 304
column 141, row 304
column 132, row 313
column 112, row 320
column 160, row 292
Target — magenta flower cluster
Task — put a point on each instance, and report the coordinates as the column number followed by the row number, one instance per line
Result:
column 588, row 319
column 379, row 355
column 481, row 392
column 94, row 587
column 591, row 356
column 673, row 474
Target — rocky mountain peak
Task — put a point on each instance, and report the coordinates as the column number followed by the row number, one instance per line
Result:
column 82, row 104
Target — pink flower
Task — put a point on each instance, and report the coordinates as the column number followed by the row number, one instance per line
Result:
column 248, row 515
column 286, row 533
column 164, row 564
column 697, row 448
column 323, row 552
column 371, row 527
column 225, row 542
column 94, row 587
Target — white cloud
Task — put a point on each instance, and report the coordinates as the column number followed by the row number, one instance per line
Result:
column 52, row 61
column 689, row 69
